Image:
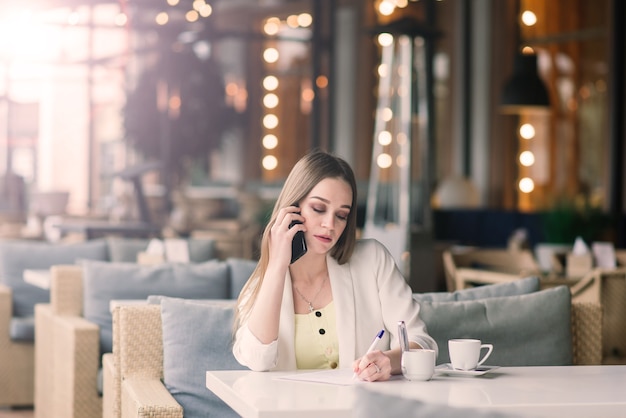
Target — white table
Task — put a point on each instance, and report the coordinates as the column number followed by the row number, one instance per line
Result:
column 572, row 391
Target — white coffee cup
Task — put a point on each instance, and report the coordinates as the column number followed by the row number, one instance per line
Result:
column 418, row 364
column 465, row 353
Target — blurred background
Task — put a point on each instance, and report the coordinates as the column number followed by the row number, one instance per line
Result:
column 464, row 120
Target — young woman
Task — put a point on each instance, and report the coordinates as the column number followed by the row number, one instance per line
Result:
column 324, row 309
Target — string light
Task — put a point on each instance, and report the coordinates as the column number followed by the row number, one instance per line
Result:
column 384, row 160
column 526, row 185
column 292, row 21
column 271, row 26
column 270, row 55
column 162, row 18
column 270, row 100
column 270, row 162
column 305, row 20
column 192, row 16
column 386, row 7
column 529, row 18
column 270, row 121
column 384, row 138
column 527, row 131
column 527, row 158
column 386, row 114
column 270, row 141
column 385, row 39
column 205, row 10
column 270, row 83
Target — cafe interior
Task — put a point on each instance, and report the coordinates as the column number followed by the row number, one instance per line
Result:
column 146, row 139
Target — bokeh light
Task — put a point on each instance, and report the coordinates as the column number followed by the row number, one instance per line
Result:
column 526, row 185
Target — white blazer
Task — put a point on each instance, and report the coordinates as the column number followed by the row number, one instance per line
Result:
column 369, row 293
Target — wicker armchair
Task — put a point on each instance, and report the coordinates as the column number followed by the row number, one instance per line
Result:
column 586, row 333
column 67, row 353
column 76, row 327
column 607, row 288
column 16, row 359
column 481, row 265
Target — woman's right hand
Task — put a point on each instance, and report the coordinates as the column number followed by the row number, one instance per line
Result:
column 281, row 235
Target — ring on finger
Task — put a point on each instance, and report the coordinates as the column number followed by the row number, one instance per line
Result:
column 376, row 367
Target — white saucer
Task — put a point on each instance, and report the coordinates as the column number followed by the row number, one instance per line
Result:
column 447, row 369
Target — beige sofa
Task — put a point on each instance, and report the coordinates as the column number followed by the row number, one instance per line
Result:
column 138, row 356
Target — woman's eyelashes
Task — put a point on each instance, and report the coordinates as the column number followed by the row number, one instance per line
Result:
column 340, row 215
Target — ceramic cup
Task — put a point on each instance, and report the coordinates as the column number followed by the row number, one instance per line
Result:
column 465, row 353
column 418, row 364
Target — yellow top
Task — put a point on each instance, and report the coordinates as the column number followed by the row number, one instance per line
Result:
column 316, row 342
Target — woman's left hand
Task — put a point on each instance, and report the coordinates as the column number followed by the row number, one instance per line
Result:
column 373, row 366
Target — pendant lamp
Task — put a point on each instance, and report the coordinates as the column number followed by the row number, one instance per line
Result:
column 525, row 90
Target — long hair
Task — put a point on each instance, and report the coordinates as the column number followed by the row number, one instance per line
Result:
column 304, row 176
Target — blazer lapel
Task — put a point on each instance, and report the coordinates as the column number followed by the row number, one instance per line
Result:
column 341, row 282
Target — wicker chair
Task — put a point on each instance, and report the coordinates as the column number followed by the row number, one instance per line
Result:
column 67, row 352
column 481, row 265
column 16, row 359
column 607, row 288
column 69, row 345
column 586, row 333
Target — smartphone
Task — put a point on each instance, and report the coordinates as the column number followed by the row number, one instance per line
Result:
column 298, row 245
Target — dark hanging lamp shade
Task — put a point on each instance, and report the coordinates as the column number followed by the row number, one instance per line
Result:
column 525, row 91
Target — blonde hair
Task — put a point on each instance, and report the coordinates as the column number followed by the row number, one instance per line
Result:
column 304, row 176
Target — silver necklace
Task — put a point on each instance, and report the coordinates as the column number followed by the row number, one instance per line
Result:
column 310, row 302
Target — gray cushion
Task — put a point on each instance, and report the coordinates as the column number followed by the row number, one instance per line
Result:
column 126, row 249
column 17, row 256
column 240, row 272
column 197, row 336
column 525, row 330
column 514, row 287
column 22, row 329
column 372, row 404
column 105, row 281
column 201, row 250
column 156, row 300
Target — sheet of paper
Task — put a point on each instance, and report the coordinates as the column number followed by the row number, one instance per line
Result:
column 341, row 377
column 332, row 376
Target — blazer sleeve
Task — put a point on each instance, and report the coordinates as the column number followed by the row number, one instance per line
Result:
column 251, row 352
column 396, row 298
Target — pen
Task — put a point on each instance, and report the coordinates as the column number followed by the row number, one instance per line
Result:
column 378, row 337
column 402, row 335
